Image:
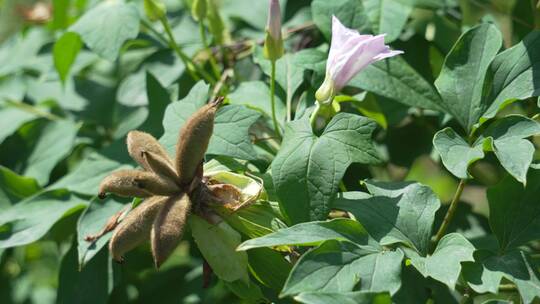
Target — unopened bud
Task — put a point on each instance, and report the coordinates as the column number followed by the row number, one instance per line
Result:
column 198, row 9
column 273, row 42
column 154, row 9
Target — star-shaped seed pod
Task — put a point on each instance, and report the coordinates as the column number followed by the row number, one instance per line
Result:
column 171, row 189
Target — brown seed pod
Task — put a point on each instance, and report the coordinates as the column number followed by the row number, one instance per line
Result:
column 122, row 183
column 159, row 165
column 137, row 183
column 139, row 142
column 135, row 227
column 193, row 141
column 168, row 227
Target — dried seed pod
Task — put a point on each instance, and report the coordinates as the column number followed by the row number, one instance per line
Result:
column 159, row 165
column 135, row 227
column 168, row 227
column 137, row 183
column 122, row 183
column 193, row 142
column 139, row 142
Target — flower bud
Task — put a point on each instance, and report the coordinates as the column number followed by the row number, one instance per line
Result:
column 273, row 42
column 154, row 9
column 198, row 9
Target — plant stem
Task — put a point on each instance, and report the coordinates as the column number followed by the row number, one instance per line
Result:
column 159, row 35
column 32, row 109
column 314, row 115
column 451, row 211
column 190, row 65
column 207, row 49
column 273, row 99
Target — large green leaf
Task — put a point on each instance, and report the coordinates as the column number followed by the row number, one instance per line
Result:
column 307, row 170
column 456, row 154
column 388, row 16
column 444, row 264
column 340, row 267
column 217, row 244
column 29, row 220
column 397, row 80
column 310, row 234
column 85, row 178
column 91, row 284
column 485, row 274
column 232, row 123
column 405, row 213
column 461, row 80
column 14, row 188
column 514, row 211
column 65, row 52
column 350, row 12
column 514, row 74
column 12, row 119
column 106, row 27
column 256, row 95
column 513, row 151
column 54, row 143
column 353, row 297
column 93, row 219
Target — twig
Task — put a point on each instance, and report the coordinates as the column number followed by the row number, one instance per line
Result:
column 451, row 211
column 222, row 80
column 32, row 109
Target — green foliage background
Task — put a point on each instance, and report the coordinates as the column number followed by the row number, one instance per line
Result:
column 457, row 112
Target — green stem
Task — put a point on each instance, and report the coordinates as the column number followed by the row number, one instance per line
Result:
column 213, row 62
column 190, row 65
column 314, row 115
column 32, row 109
column 159, row 35
column 451, row 211
column 273, row 99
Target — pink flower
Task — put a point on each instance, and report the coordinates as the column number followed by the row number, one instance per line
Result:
column 274, row 20
column 350, row 53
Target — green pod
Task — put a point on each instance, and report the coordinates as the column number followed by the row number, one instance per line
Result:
column 135, row 227
column 168, row 227
column 139, row 142
column 193, row 141
column 136, row 183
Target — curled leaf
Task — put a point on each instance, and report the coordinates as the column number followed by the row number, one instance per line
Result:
column 168, row 227
column 135, row 228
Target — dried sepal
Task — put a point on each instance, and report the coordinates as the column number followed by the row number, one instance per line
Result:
column 136, row 183
column 168, row 227
column 193, row 141
column 135, row 228
column 139, row 142
column 122, row 183
column 159, row 165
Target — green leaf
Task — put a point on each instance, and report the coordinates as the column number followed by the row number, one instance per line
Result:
column 513, row 151
column 93, row 219
column 514, row 74
column 55, row 142
column 311, row 59
column 106, row 27
column 14, row 188
column 158, row 100
column 12, row 119
column 405, row 213
column 486, row 273
column 444, row 264
column 388, row 16
column 65, row 52
column 91, row 284
column 310, row 234
column 514, row 211
column 289, row 76
column 29, row 220
column 232, row 123
column 340, row 267
column 256, row 95
column 395, row 79
column 273, row 277
column 353, row 297
column 350, row 12
column 461, row 80
column 456, row 154
column 87, row 176
column 307, row 169
column 217, row 244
